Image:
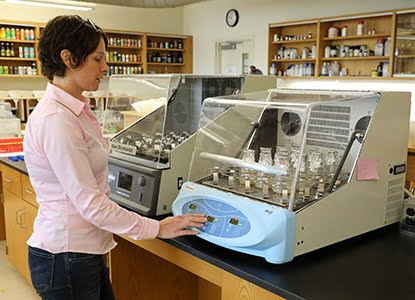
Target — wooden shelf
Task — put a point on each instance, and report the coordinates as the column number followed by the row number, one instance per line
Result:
column 296, row 77
column 294, row 60
column 17, row 59
column 405, row 33
column 357, row 37
column 336, row 77
column 295, row 41
column 165, row 64
column 18, row 41
column 20, row 76
column 406, row 56
column 123, row 63
column 385, row 24
column 125, row 47
column 165, row 49
column 357, row 58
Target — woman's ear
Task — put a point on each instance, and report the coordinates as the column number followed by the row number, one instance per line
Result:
column 66, row 58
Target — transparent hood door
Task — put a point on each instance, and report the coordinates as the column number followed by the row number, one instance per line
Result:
column 131, row 97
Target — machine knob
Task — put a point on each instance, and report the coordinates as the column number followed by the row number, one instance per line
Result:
column 409, row 221
column 410, row 212
column 141, row 180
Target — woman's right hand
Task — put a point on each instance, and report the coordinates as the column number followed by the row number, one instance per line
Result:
column 172, row 227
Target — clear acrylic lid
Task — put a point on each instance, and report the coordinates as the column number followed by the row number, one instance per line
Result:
column 283, row 146
column 165, row 112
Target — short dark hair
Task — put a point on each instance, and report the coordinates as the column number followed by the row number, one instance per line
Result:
column 81, row 37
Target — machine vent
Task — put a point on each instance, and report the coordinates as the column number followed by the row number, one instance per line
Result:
column 290, row 123
column 329, row 127
column 362, row 124
column 394, row 200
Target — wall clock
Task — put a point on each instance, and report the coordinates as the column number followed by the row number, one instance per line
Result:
column 232, row 17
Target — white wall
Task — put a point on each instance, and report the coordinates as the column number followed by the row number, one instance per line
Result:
column 166, row 20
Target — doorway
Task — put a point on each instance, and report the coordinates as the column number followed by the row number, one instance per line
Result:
column 233, row 57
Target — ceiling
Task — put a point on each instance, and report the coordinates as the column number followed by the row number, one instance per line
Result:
column 145, row 3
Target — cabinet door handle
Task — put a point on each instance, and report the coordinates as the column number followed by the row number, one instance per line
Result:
column 21, row 220
column 29, row 191
column 17, row 219
column 7, row 179
column 1, row 198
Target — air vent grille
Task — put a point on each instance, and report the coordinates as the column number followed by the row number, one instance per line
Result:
column 394, row 200
column 329, row 127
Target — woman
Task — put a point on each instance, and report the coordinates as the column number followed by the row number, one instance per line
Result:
column 66, row 158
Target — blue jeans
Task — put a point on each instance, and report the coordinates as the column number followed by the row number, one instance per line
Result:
column 69, row 275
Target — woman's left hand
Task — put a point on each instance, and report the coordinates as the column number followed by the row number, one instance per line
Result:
column 172, row 227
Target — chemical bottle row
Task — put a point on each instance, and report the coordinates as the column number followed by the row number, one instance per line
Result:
column 293, row 53
column 124, row 70
column 9, row 50
column 382, row 48
column 124, row 57
column 12, row 33
column 176, row 44
column 335, row 31
column 123, row 42
column 307, row 36
column 298, row 70
column 155, row 57
column 19, row 70
column 335, row 69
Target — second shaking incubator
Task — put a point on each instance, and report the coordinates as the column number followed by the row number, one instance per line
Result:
column 150, row 158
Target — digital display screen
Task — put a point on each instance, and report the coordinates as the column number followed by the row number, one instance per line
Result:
column 125, row 181
column 193, row 206
column 234, row 221
column 210, row 219
column 399, row 169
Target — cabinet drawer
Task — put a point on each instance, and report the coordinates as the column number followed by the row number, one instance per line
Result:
column 28, row 192
column 11, row 181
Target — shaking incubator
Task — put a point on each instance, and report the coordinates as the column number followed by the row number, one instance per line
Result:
column 284, row 172
column 150, row 157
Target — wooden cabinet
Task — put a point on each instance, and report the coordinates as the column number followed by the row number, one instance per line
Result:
column 18, row 49
column 136, row 265
column 129, row 52
column 293, row 48
column 352, row 46
column 125, row 52
column 2, row 224
column 354, row 54
column 169, row 54
column 404, row 66
column 20, row 210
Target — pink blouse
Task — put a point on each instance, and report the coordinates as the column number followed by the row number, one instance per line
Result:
column 67, row 160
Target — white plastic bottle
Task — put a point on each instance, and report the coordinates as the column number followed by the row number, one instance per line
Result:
column 335, row 68
column 360, row 28
column 273, row 69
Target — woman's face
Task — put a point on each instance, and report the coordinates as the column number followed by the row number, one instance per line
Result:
column 88, row 76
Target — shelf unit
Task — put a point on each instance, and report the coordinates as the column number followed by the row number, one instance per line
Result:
column 397, row 27
column 404, row 63
column 287, row 43
column 169, row 53
column 127, row 51
column 18, row 48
